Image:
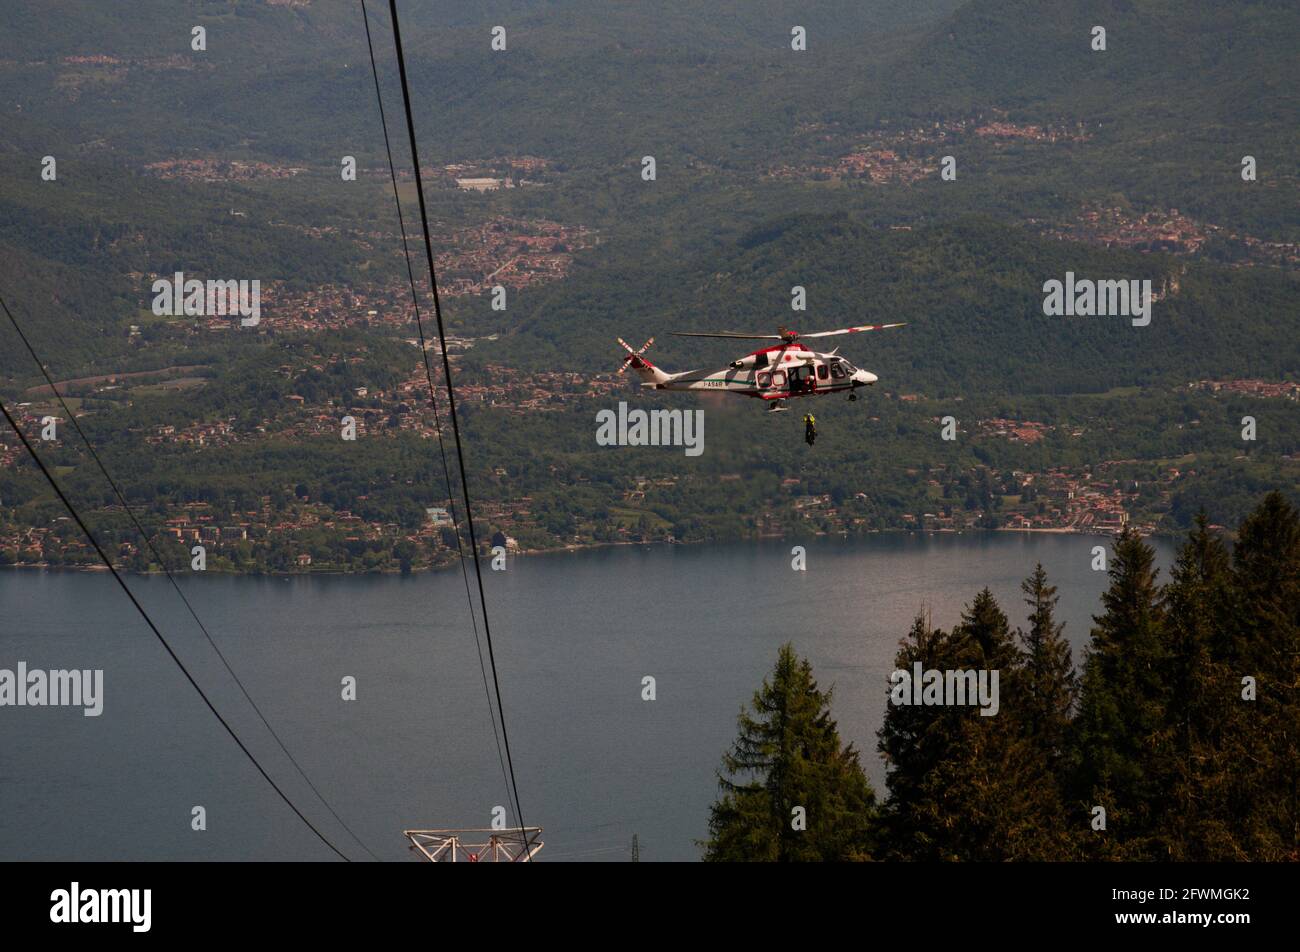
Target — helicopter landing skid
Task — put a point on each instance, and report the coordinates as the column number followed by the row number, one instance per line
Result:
column 776, row 406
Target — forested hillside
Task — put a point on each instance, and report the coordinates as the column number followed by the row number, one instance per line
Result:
column 775, row 168
column 971, row 293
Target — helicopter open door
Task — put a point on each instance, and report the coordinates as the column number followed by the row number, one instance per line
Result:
column 803, row 380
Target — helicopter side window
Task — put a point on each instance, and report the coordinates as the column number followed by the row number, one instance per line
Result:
column 837, row 371
column 764, row 379
column 778, row 379
column 822, row 373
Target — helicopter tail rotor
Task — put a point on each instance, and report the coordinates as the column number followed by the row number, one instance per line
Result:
column 634, row 358
column 651, row 376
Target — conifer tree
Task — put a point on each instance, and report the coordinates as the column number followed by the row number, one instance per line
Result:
column 1049, row 683
column 1046, row 691
column 1194, row 759
column 1266, row 647
column 788, row 755
column 991, row 799
column 987, row 635
column 1122, row 701
column 1005, row 802
column 965, row 786
column 915, row 740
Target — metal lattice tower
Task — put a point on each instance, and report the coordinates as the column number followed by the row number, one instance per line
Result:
column 515, row 845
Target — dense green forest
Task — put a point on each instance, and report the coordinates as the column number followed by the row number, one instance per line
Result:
column 1174, row 738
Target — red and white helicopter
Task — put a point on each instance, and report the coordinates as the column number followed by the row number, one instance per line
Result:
column 776, row 373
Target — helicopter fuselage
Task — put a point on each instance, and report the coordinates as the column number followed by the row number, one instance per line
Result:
column 772, row 373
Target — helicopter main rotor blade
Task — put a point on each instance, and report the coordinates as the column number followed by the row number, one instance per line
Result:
column 730, row 335
column 853, row 330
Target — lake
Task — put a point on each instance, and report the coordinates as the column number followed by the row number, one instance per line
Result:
column 574, row 635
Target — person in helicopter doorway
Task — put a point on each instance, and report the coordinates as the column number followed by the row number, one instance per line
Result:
column 810, row 428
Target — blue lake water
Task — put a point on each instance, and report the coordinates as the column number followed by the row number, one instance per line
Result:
column 574, row 636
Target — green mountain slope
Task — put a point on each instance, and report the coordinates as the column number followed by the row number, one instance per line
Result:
column 970, row 291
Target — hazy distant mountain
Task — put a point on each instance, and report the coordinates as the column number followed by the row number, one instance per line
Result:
column 1203, row 63
column 585, row 79
column 284, row 79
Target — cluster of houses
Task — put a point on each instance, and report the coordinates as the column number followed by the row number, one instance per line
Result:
column 1165, row 230
column 376, row 412
column 492, row 174
column 876, row 164
column 1001, row 129
column 221, row 170
column 1283, row 390
column 198, row 433
column 1017, row 431
column 510, row 252
column 1079, row 502
column 1056, row 501
column 515, row 392
column 881, row 166
column 904, row 156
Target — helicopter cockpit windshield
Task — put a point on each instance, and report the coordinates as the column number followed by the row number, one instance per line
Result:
column 841, row 368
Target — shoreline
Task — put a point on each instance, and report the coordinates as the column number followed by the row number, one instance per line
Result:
column 571, row 548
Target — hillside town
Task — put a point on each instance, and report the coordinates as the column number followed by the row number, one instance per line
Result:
column 1168, row 231
column 481, row 175
column 290, row 531
column 221, row 170
column 907, row 155
column 1263, row 389
column 507, row 252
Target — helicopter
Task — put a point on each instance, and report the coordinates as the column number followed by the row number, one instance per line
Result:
column 773, row 374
